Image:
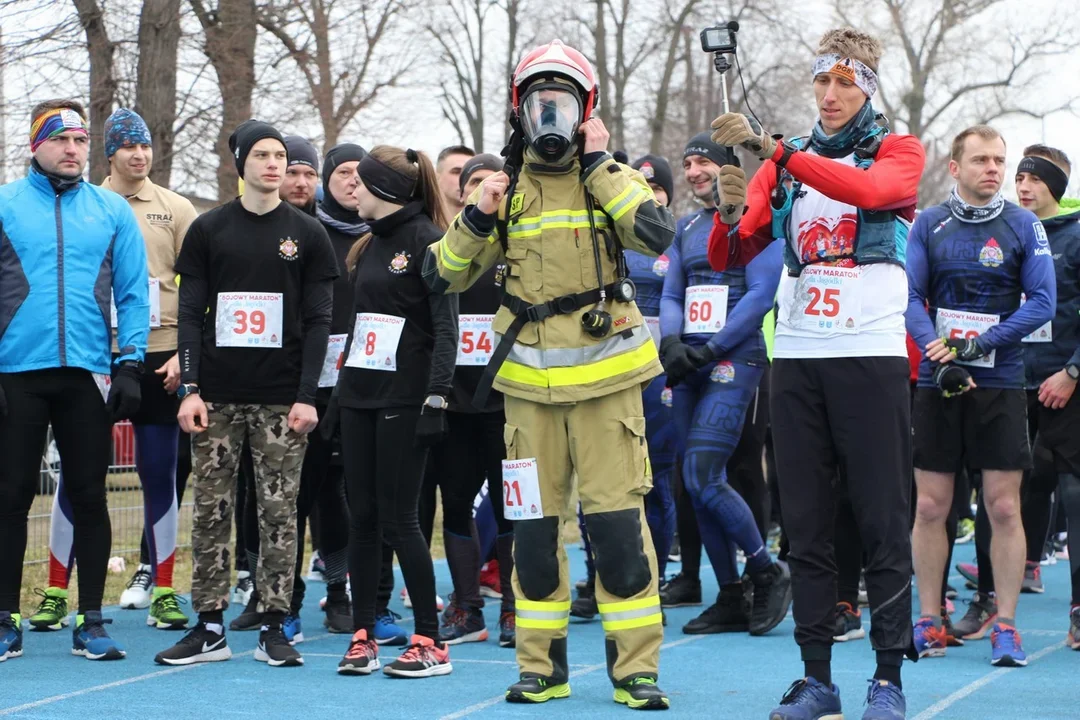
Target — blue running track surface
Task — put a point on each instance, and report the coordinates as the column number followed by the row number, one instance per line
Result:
column 706, row 676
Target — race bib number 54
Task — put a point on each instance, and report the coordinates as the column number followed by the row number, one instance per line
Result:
column 521, row 490
column 828, row 300
column 251, row 320
column 475, row 342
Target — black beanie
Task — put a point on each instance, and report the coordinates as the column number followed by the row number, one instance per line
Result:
column 657, row 170
column 301, row 152
column 620, row 156
column 340, row 153
column 483, row 161
column 246, row 135
column 702, row 144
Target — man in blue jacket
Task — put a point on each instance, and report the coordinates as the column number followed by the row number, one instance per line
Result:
column 968, row 262
column 65, row 245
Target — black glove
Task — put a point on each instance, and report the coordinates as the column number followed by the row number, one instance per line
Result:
column 431, row 427
column 125, row 395
column 328, row 425
column 966, row 349
column 951, row 379
column 679, row 359
column 3, row 403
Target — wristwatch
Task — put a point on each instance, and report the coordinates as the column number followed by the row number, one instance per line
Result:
column 1073, row 371
column 435, row 402
column 187, row 389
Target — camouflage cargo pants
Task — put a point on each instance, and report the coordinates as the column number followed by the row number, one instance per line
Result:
column 278, row 454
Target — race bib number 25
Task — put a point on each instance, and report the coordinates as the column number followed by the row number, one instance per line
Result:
column 828, row 300
column 251, row 320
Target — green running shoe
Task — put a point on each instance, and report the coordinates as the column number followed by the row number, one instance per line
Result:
column 165, row 613
column 534, row 689
column 642, row 693
column 52, row 613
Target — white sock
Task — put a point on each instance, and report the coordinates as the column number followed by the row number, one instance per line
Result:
column 216, row 628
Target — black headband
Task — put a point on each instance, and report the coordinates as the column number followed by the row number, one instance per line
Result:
column 385, row 182
column 1052, row 176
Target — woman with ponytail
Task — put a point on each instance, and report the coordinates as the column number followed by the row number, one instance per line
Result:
column 392, row 390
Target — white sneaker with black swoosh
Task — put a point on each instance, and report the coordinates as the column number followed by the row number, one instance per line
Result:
column 199, row 645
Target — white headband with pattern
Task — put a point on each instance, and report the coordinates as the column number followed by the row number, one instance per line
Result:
column 850, row 68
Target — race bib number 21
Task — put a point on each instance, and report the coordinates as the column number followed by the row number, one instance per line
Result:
column 521, row 490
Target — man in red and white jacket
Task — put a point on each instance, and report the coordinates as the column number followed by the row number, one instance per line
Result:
column 841, row 201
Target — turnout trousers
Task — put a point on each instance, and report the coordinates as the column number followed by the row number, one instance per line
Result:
column 602, row 441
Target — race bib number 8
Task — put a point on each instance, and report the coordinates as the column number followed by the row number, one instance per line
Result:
column 155, row 305
column 961, row 324
column 251, row 320
column 828, row 300
column 704, row 309
column 375, row 342
column 475, row 341
column 521, row 490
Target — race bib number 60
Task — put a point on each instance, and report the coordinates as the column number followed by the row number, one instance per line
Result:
column 521, row 490
column 251, row 320
column 828, row 300
column 704, row 309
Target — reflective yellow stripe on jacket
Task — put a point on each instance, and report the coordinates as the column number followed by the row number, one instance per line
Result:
column 526, row 227
column 562, row 367
column 631, row 614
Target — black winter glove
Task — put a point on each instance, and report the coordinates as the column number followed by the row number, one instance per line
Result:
column 966, row 349
column 328, row 425
column 125, row 395
column 679, row 359
column 951, row 379
column 431, row 427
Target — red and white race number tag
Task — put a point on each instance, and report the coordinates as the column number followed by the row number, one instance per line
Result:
column 653, row 323
column 521, row 490
column 251, row 320
column 155, row 305
column 476, row 341
column 375, row 342
column 954, row 324
column 704, row 309
column 104, row 384
column 335, row 347
column 828, row 300
column 1043, row 333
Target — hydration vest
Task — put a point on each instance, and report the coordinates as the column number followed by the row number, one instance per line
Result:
column 880, row 235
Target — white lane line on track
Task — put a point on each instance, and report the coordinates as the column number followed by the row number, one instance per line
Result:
column 945, row 703
column 126, row 681
column 586, row 670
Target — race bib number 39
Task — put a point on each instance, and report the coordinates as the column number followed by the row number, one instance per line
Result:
column 828, row 300
column 155, row 305
column 332, row 362
column 961, row 324
column 375, row 342
column 704, row 309
column 521, row 490
column 251, row 320
column 475, row 341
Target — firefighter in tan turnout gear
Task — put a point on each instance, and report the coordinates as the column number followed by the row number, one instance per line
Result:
column 572, row 358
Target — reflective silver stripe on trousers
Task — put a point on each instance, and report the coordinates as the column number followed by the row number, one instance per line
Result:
column 575, row 357
column 630, row 614
column 542, row 614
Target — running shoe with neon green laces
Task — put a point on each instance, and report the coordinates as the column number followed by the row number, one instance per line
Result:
column 165, row 613
column 52, row 613
column 642, row 693
column 536, row 689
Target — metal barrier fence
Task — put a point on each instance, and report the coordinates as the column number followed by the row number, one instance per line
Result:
column 124, row 493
